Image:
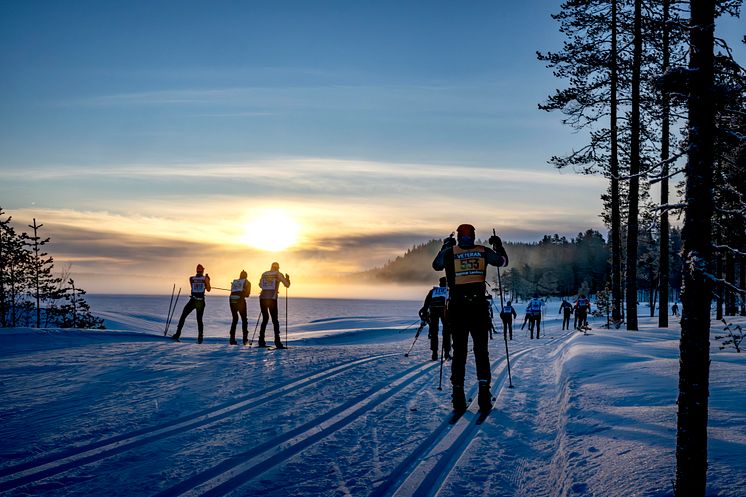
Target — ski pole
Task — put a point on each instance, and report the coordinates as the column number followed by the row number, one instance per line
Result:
column 286, row 316
column 173, row 310
column 505, row 337
column 442, row 358
column 416, row 336
column 168, row 314
column 218, row 288
column 411, row 325
column 255, row 327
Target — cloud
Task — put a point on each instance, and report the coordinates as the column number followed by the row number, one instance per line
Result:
column 472, row 99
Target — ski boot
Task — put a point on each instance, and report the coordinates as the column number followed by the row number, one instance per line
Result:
column 435, row 355
column 279, row 345
column 175, row 337
column 485, row 397
column 262, row 344
column 458, row 399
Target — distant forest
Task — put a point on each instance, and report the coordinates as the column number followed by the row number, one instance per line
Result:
column 553, row 266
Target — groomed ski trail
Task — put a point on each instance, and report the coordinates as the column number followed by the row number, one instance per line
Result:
column 426, row 469
column 239, row 470
column 73, row 457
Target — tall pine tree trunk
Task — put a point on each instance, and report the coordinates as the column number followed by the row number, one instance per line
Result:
column 742, row 279
column 616, row 220
column 719, row 289
column 731, row 309
column 36, row 265
column 694, row 348
column 665, row 152
column 634, row 170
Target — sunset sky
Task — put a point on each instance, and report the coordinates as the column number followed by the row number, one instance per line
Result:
column 150, row 136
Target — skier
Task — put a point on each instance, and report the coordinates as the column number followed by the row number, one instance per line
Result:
column 270, row 285
column 507, row 315
column 199, row 283
column 533, row 309
column 240, row 290
column 466, row 269
column 675, row 309
column 566, row 310
column 582, row 306
column 434, row 311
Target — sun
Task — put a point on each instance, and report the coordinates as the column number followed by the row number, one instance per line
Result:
column 272, row 231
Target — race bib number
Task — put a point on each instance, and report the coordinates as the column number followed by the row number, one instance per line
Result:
column 268, row 283
column 440, row 292
column 470, row 265
column 237, row 286
column 198, row 286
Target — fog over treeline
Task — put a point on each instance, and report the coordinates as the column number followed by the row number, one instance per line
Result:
column 552, row 266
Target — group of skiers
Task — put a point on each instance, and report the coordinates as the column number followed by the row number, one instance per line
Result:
column 581, row 308
column 461, row 305
column 269, row 283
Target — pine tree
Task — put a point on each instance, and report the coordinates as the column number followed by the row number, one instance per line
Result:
column 596, row 71
column 75, row 313
column 691, row 434
column 14, row 274
column 45, row 284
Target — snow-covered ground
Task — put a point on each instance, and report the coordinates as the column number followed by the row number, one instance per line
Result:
column 344, row 412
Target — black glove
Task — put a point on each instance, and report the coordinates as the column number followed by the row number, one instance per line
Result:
column 448, row 242
column 495, row 241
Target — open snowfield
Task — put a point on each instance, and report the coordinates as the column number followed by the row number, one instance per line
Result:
column 344, row 413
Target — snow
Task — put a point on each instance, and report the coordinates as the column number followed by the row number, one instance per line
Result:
column 344, row 413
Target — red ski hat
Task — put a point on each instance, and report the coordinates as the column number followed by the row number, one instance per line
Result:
column 466, row 230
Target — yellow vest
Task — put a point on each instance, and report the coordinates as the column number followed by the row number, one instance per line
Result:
column 470, row 265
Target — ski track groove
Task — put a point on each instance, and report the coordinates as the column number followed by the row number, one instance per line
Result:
column 236, row 471
column 37, row 469
column 420, row 474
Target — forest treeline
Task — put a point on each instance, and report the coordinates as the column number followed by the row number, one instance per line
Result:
column 31, row 294
column 553, row 266
column 662, row 101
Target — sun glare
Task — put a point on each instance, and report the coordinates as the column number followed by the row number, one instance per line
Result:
column 272, row 231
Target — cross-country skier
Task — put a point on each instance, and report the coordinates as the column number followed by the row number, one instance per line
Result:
column 566, row 310
column 466, row 269
column 675, row 309
column 270, row 285
column 434, row 311
column 240, row 290
column 533, row 309
column 507, row 315
column 582, row 306
column 199, row 283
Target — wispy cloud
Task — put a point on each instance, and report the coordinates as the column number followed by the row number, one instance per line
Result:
column 473, row 99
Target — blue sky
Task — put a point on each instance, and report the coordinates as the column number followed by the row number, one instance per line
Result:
column 109, row 82
column 147, row 135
